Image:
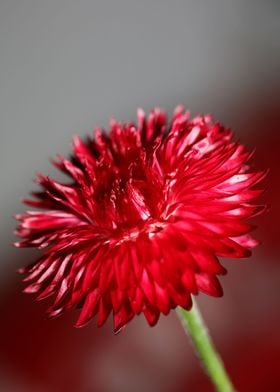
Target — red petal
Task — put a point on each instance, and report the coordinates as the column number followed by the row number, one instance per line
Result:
column 89, row 309
column 209, row 284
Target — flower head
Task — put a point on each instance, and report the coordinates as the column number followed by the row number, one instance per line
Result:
column 140, row 226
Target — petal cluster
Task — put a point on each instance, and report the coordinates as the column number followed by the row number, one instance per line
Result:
column 140, row 224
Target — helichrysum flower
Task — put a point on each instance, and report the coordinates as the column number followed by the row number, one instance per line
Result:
column 140, row 226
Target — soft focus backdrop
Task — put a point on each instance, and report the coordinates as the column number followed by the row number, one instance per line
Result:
column 66, row 66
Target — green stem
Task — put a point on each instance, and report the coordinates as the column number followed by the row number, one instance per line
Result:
column 212, row 363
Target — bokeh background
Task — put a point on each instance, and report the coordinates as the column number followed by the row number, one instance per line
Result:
column 67, row 66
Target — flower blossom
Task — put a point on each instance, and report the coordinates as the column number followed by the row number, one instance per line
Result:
column 140, row 225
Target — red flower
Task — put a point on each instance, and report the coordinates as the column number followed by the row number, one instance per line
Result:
column 139, row 228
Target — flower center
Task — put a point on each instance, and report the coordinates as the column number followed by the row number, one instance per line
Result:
column 149, row 227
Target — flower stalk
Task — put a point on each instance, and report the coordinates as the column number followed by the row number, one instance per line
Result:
column 194, row 325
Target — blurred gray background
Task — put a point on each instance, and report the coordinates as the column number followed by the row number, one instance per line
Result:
column 67, row 66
